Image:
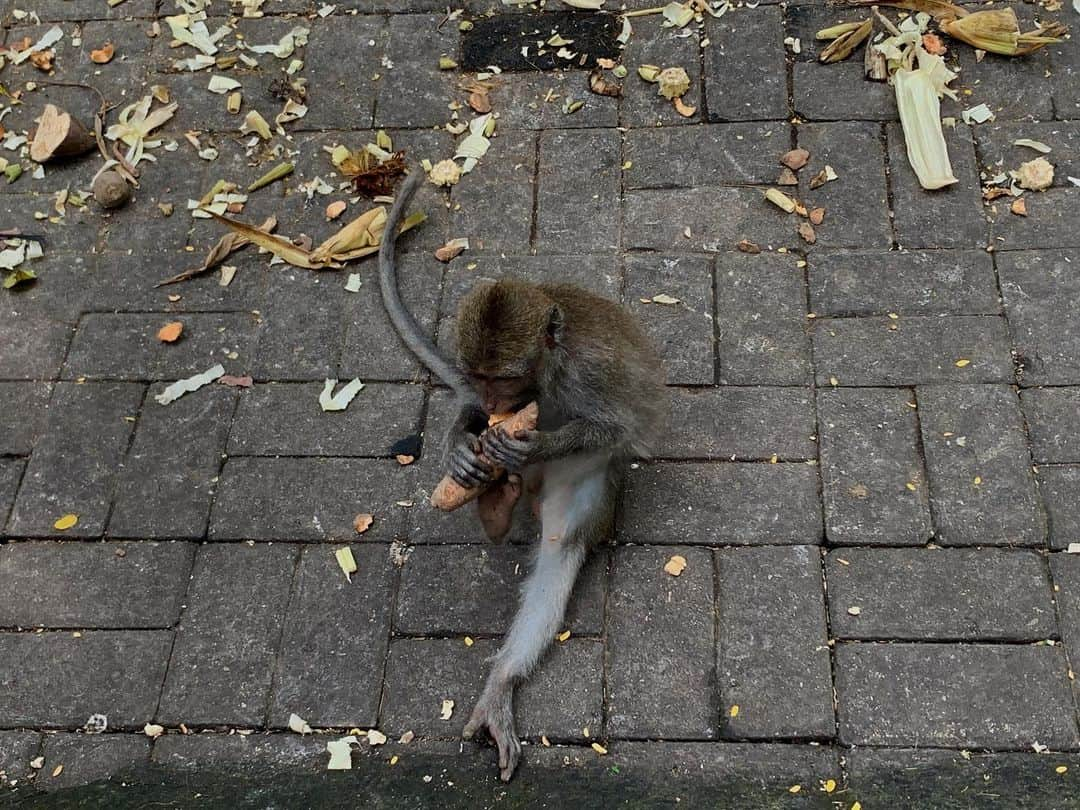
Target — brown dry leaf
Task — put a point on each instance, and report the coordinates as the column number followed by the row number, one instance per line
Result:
column 362, row 522
column 675, row 566
column 795, row 159
column 479, row 101
column 746, row 246
column 817, row 215
column 1019, row 207
column 787, row 178
column 236, row 382
column 601, row 86
column 43, row 60
column 298, row 257
column 103, row 55
column 990, row 194
column 226, row 245
column 451, row 249
column 683, row 109
column 336, row 209
column 806, row 231
column 170, row 332
column 378, row 179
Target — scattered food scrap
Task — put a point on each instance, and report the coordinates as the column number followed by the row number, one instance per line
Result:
column 346, row 561
column 340, row 753
column 329, row 401
column 180, row 387
column 362, row 522
column 65, row 522
column 447, row 710
column 676, row 565
column 170, row 332
column 298, row 724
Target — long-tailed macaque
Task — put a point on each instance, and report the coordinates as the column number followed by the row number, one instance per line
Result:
column 600, row 389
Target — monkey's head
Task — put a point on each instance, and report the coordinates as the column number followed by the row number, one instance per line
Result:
column 506, row 332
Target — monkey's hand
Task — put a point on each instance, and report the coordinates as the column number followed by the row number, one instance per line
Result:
column 495, row 712
column 511, row 452
column 464, row 464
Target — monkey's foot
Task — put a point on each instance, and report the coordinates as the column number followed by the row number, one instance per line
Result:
column 495, row 712
column 496, row 507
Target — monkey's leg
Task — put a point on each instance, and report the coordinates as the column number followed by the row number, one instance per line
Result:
column 495, row 507
column 576, row 510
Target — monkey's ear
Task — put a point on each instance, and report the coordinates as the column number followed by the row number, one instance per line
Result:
column 555, row 325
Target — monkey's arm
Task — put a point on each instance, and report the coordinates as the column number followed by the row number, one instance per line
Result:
column 531, row 446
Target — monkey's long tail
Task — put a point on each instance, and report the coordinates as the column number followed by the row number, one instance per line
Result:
column 406, row 325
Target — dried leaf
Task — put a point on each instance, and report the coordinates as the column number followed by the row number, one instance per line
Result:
column 1019, row 207
column 103, row 55
column 746, row 246
column 844, row 45
column 272, row 176
column 236, row 382
column 817, row 216
column 170, row 332
column 787, row 178
column 1038, row 146
column 376, row 737
column 379, row 179
column 601, row 86
column 226, row 245
column 451, row 249
column 824, row 176
column 329, row 401
column 298, row 257
column 920, row 116
column 180, row 387
column 806, row 232
column 795, row 159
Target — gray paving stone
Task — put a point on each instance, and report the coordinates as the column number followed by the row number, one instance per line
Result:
column 125, row 346
column 372, row 349
column 954, row 695
column 705, row 155
column 761, row 320
column 773, row 656
column 50, row 10
column 718, row 219
column 285, row 419
column 745, row 79
column 535, row 101
column 34, row 345
column 939, row 594
column 57, row 680
column 846, row 283
column 483, row 586
column 951, row 217
column 60, row 292
column 661, row 677
column 722, row 504
column 875, row 484
column 164, row 494
column 1065, row 570
column 682, row 333
column 1053, row 422
column 561, row 698
column 89, row 757
column 308, row 498
column 345, row 95
column 17, row 748
column 208, row 751
column 1060, row 490
column 998, row 152
column 11, row 471
column 106, row 585
column 748, row 424
column 982, row 490
column 291, row 348
column 1042, row 291
column 345, row 627
column 1065, row 60
column 913, row 350
column 74, row 466
column 1050, row 222
column 415, row 92
column 840, row 92
column 221, row 664
column 652, row 44
column 1012, row 88
column 497, row 216
column 572, row 216
column 856, row 204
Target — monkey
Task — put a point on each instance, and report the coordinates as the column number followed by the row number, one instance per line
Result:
column 600, row 389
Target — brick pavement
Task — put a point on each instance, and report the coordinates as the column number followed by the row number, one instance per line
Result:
column 876, row 535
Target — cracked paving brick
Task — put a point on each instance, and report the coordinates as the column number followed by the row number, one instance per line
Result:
column 747, row 423
column 871, row 282
column 772, row 654
column 1059, row 486
column 856, row 203
column 682, row 333
column 705, row 155
column 560, row 698
column 572, row 216
column 722, row 504
column 343, row 688
column 745, row 78
column 939, row 594
column 1053, row 422
column 912, row 350
column 58, row 679
column 163, row 494
column 954, row 696
column 485, row 584
column 761, row 320
column 93, row 585
column 309, row 499
column 661, row 678
column 285, row 419
column 89, row 758
column 222, row 662
column 1042, row 293
column 951, row 217
column 75, row 465
column 982, row 489
column 875, row 485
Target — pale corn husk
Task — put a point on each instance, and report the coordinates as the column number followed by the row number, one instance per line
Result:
column 920, row 116
column 844, row 45
column 998, row 31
